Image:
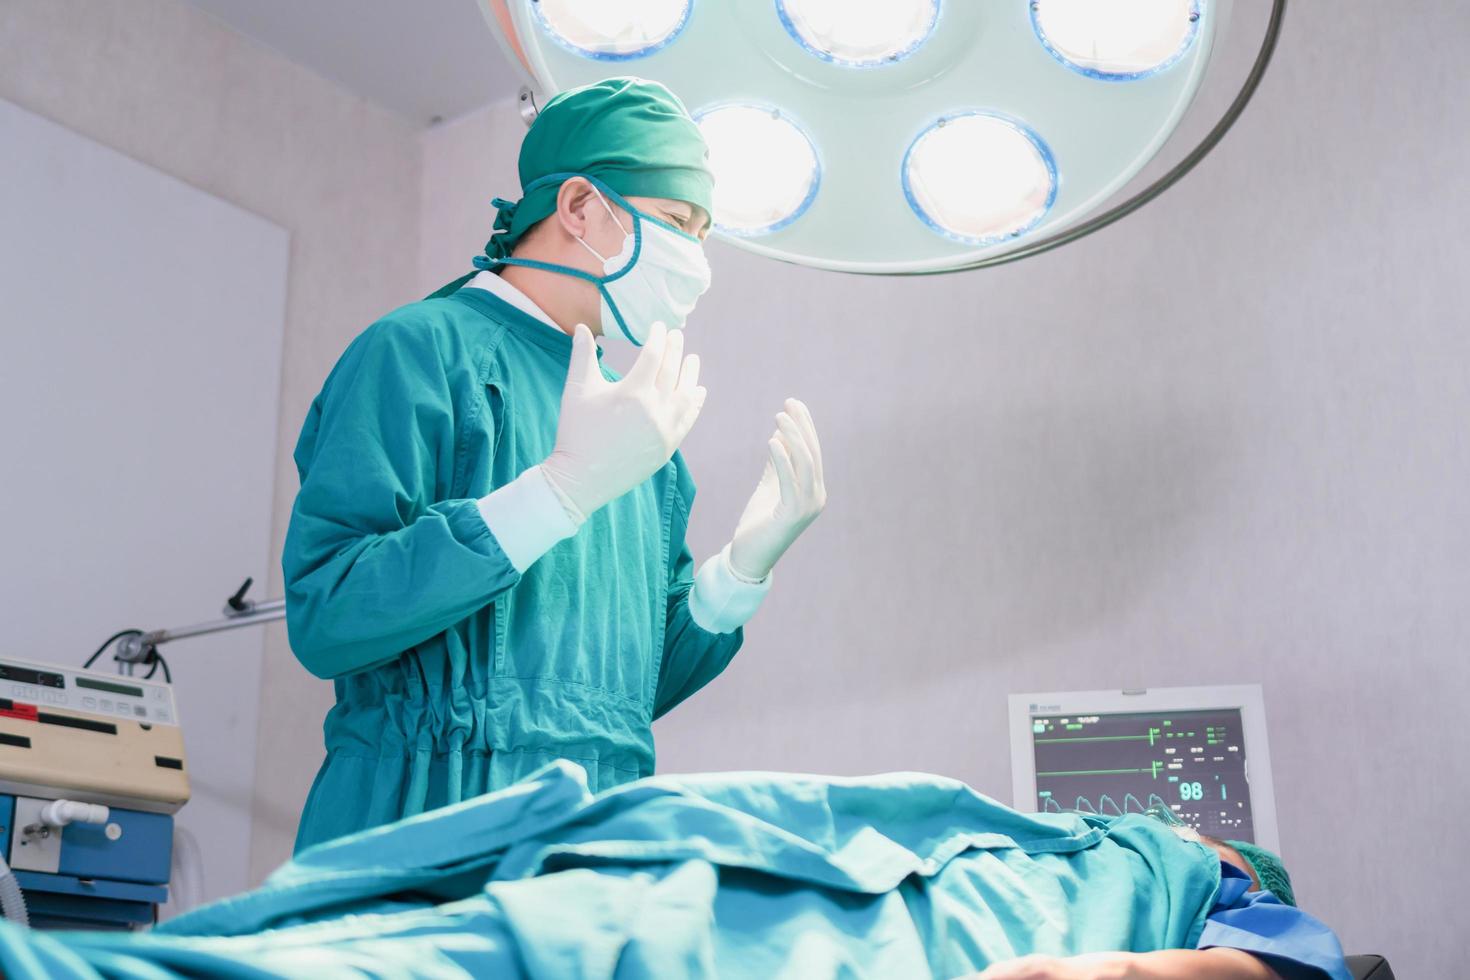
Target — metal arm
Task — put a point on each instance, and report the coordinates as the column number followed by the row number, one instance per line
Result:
column 238, row 612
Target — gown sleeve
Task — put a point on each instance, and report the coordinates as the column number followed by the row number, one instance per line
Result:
column 692, row 656
column 375, row 562
column 1291, row 942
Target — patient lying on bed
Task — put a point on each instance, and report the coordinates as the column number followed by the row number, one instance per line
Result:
column 734, row 875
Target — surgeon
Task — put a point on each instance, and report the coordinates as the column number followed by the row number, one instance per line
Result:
column 487, row 553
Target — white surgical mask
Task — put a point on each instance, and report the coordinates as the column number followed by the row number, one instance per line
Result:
column 657, row 276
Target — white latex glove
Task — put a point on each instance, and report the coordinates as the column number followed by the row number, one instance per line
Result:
column 790, row 495
column 613, row 435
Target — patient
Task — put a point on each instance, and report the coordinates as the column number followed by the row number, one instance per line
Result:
column 1280, row 944
column 736, row 875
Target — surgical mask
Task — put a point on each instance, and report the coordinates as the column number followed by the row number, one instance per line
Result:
column 657, row 276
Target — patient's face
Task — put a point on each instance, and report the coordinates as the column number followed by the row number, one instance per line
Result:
column 1230, row 854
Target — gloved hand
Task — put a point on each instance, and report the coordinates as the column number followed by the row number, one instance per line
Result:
column 790, row 495
column 614, row 435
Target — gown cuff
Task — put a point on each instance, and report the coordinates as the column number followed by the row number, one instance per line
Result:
column 722, row 600
column 528, row 516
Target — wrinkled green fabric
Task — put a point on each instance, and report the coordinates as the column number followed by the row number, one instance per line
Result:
column 633, row 135
column 454, row 675
column 728, row 875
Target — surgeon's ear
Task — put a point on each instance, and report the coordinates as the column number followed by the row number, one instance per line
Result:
column 573, row 199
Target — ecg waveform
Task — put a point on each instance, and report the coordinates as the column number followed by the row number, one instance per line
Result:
column 1191, row 762
column 1106, row 806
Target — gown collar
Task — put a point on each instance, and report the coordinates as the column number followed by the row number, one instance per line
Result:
column 499, row 300
column 493, row 283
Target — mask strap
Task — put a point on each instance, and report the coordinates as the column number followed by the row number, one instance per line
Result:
column 564, row 270
column 611, row 214
column 594, row 251
column 567, row 270
column 603, row 192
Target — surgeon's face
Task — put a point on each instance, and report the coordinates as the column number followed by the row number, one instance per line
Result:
column 606, row 227
column 588, row 218
column 686, row 217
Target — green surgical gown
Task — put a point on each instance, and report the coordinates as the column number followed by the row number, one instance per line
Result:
column 454, row 674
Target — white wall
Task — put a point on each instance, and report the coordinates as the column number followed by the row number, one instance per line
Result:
column 1222, row 442
column 466, row 164
column 172, row 88
column 135, row 441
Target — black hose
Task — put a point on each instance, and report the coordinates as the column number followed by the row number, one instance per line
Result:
column 109, row 642
column 155, row 660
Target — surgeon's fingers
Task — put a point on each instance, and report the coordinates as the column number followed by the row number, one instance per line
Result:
column 650, row 358
column 668, row 369
column 693, row 402
column 801, row 456
column 797, row 409
column 689, row 373
column 583, row 369
column 785, row 475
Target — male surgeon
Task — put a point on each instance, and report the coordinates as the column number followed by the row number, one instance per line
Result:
column 487, row 553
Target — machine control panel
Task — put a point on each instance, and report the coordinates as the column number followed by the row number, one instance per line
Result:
column 111, row 695
column 92, row 737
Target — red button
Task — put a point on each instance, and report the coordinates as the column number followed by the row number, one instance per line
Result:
column 25, row 712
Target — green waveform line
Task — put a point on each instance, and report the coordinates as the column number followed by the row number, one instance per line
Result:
column 1095, row 738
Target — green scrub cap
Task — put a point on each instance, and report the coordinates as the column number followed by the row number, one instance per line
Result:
column 1268, row 868
column 631, row 135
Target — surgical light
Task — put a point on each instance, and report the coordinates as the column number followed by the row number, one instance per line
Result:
column 612, row 30
column 767, row 168
column 979, row 178
column 909, row 136
column 1120, row 40
column 859, row 33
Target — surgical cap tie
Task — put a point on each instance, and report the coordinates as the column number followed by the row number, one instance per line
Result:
column 497, row 248
column 505, row 216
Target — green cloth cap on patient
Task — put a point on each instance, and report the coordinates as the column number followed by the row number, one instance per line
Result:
column 1268, row 868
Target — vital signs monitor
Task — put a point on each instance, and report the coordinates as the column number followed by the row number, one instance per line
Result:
column 1200, row 752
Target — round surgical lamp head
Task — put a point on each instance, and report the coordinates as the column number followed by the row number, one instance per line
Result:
column 613, row 31
column 904, row 136
column 859, row 33
column 768, row 167
column 980, row 178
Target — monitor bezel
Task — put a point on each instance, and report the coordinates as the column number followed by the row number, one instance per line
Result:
column 1249, row 699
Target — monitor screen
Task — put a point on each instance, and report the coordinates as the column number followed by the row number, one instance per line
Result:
column 1193, row 762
